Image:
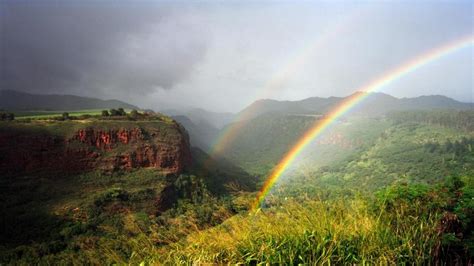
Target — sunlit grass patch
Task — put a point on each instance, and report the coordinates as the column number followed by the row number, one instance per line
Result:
column 313, row 232
column 50, row 114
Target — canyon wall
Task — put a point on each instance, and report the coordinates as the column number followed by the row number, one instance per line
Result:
column 108, row 149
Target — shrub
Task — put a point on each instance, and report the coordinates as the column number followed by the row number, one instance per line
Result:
column 110, row 195
column 134, row 114
column 121, row 112
column 4, row 116
column 65, row 116
column 114, row 112
column 118, row 112
column 85, row 116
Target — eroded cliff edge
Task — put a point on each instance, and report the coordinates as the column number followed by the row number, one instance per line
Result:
column 73, row 146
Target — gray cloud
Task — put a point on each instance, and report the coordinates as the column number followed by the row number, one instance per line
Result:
column 224, row 55
column 118, row 48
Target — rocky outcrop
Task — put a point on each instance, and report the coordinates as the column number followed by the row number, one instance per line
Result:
column 107, row 139
column 163, row 148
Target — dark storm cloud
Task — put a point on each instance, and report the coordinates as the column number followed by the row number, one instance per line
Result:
column 115, row 48
column 225, row 55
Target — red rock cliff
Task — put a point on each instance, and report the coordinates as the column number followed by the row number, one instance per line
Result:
column 165, row 149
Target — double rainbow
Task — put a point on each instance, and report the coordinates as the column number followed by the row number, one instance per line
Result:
column 375, row 85
column 281, row 77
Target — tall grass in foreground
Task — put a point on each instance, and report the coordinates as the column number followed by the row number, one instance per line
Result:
column 316, row 232
column 401, row 224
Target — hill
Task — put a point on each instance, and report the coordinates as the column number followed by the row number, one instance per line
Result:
column 17, row 101
column 201, row 116
column 201, row 134
column 92, row 144
column 395, row 189
column 71, row 184
column 404, row 196
column 375, row 104
column 263, row 141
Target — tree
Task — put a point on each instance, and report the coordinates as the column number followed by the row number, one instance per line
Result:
column 114, row 112
column 448, row 146
column 118, row 112
column 122, row 112
column 4, row 116
column 66, row 116
column 134, row 114
column 105, row 113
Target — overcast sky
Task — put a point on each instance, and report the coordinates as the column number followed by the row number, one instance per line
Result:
column 223, row 55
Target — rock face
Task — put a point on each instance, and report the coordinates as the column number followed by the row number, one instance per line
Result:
column 165, row 149
column 106, row 140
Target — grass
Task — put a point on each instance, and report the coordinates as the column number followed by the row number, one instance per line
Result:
column 71, row 210
column 96, row 218
column 69, row 127
column 379, row 202
column 402, row 224
column 48, row 114
column 311, row 233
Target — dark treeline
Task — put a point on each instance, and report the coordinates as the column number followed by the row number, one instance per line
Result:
column 458, row 147
column 463, row 120
column 6, row 116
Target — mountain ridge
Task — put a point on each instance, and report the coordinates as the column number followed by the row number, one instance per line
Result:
column 375, row 104
column 18, row 100
column 201, row 134
column 202, row 116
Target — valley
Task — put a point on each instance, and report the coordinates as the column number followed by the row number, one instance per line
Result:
column 134, row 188
column 236, row 132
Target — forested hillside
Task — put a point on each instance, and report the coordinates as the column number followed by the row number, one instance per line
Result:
column 405, row 196
column 201, row 116
column 201, row 134
column 369, row 190
column 236, row 132
column 262, row 141
column 375, row 104
column 72, row 188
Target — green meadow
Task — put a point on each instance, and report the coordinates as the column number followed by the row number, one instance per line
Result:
column 49, row 114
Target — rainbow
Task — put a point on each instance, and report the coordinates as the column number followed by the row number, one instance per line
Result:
column 282, row 76
column 321, row 124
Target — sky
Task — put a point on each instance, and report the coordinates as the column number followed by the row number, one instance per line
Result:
column 223, row 55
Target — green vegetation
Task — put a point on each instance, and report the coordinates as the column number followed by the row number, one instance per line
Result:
column 375, row 104
column 91, row 116
column 118, row 112
column 50, row 114
column 66, row 128
column 69, row 219
column 413, row 153
column 63, row 213
column 396, row 190
column 105, row 113
column 201, row 135
column 262, row 142
column 404, row 197
column 401, row 224
column 5, row 116
column 463, row 120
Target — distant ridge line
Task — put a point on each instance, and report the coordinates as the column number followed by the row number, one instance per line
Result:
column 18, row 100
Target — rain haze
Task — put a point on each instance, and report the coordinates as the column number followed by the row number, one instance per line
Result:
column 222, row 57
